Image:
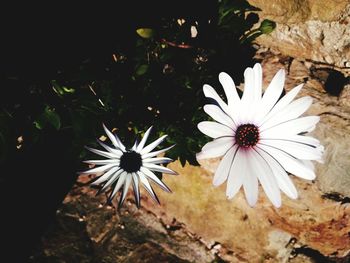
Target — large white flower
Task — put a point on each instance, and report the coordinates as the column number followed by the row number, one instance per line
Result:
column 129, row 166
column 260, row 136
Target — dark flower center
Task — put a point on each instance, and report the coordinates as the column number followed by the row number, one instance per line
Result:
column 247, row 135
column 131, row 161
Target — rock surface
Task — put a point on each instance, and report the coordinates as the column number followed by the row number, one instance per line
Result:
column 196, row 223
column 317, row 30
column 85, row 230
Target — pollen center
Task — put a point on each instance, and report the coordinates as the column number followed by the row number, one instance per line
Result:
column 247, row 135
column 131, row 161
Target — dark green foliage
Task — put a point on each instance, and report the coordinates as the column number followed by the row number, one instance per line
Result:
column 156, row 79
column 48, row 117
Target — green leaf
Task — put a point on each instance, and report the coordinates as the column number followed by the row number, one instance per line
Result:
column 68, row 90
column 251, row 37
column 57, row 88
column 61, row 90
column 141, row 69
column 145, row 32
column 53, row 118
column 39, row 124
column 48, row 116
column 267, row 26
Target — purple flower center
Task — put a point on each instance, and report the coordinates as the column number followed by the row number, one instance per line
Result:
column 247, row 135
column 131, row 161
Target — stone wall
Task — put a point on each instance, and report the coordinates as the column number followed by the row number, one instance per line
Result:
column 316, row 30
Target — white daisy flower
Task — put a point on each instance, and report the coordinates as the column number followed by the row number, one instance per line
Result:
column 260, row 136
column 129, row 166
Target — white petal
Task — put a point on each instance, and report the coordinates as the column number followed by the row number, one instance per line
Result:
column 102, row 162
column 107, row 175
column 230, row 89
column 101, row 153
column 292, row 111
column 248, row 93
column 283, row 180
column 285, row 183
column 289, row 163
column 159, row 168
column 214, row 129
column 250, row 186
column 308, row 164
column 280, row 105
column 116, row 152
column 218, row 115
column 296, row 138
column 136, row 188
column 158, row 160
column 114, row 139
column 237, row 174
column 216, row 148
column 263, row 172
column 134, row 147
column 297, row 150
column 247, row 103
column 223, row 169
column 209, row 92
column 271, row 95
column 147, row 186
column 127, row 183
column 257, row 81
column 121, row 179
column 110, row 136
column 321, row 150
column 155, row 179
column 151, row 154
column 292, row 127
column 251, row 98
column 122, row 147
column 99, row 169
column 153, row 145
column 144, row 139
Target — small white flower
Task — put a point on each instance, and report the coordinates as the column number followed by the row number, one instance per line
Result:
column 129, row 166
column 261, row 137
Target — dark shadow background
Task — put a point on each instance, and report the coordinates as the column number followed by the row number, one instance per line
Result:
column 36, row 42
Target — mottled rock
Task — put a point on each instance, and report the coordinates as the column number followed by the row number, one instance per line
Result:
column 294, row 11
column 344, row 98
column 150, row 253
column 309, row 29
column 250, row 233
column 88, row 231
column 66, row 241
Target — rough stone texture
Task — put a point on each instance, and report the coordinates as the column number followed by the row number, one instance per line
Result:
column 196, row 223
column 294, row 11
column 87, row 231
column 317, row 30
column 262, row 233
column 345, row 97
